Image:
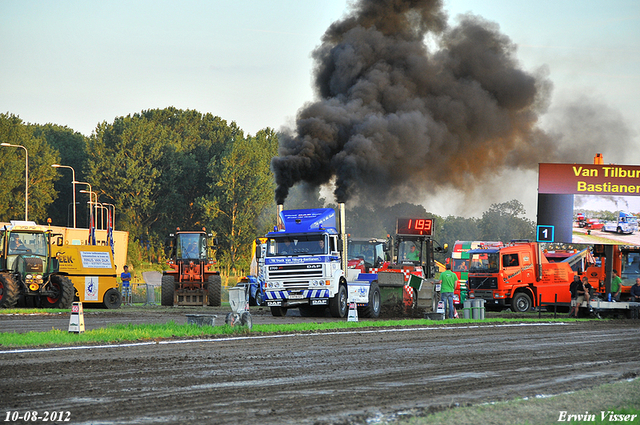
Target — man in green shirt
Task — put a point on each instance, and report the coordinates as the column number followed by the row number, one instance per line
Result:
column 414, row 254
column 447, row 287
column 616, row 286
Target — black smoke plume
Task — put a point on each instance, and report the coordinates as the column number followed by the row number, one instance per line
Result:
column 397, row 117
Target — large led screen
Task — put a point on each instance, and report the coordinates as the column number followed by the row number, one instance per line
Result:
column 589, row 204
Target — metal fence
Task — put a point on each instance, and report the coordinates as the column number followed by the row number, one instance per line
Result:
column 151, row 294
column 142, row 293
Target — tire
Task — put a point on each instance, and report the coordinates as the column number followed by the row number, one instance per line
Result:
column 619, row 230
column 214, row 286
column 259, row 298
column 373, row 309
column 278, row 311
column 521, row 302
column 168, row 290
column 230, row 319
column 112, row 299
column 245, row 320
column 338, row 304
column 64, row 293
column 9, row 291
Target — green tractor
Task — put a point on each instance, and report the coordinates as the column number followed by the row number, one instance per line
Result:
column 29, row 274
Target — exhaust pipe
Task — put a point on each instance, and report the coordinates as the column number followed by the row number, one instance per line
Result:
column 343, row 235
column 279, row 223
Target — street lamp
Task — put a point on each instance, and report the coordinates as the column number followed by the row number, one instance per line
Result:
column 26, row 178
column 113, row 216
column 73, row 172
column 90, row 197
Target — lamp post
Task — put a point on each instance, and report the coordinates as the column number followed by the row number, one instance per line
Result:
column 113, row 216
column 73, row 172
column 26, row 178
column 90, row 197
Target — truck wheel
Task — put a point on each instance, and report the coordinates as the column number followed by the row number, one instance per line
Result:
column 63, row 287
column 278, row 311
column 259, row 299
column 214, row 286
column 9, row 291
column 168, row 290
column 338, row 304
column 373, row 309
column 521, row 302
column 112, row 299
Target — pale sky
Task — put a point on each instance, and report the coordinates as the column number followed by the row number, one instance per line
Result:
column 79, row 63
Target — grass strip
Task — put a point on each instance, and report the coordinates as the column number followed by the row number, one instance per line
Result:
column 594, row 404
column 146, row 332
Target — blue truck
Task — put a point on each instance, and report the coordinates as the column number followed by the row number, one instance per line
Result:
column 305, row 267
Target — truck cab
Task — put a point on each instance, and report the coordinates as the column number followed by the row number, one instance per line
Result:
column 306, row 267
column 518, row 276
column 366, row 253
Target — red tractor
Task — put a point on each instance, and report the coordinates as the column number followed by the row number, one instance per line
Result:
column 191, row 279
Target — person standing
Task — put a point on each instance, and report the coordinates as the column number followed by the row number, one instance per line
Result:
column 573, row 288
column 616, row 286
column 125, row 276
column 634, row 293
column 447, row 287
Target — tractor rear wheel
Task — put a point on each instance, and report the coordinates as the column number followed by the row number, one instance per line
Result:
column 168, row 290
column 214, row 286
column 9, row 291
column 112, row 299
column 64, row 291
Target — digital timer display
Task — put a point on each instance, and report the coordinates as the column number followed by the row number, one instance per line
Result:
column 414, row 226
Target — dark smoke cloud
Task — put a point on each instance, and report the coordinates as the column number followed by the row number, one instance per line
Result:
column 396, row 118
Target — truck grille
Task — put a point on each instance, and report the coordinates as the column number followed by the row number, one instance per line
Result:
column 295, row 276
column 482, row 283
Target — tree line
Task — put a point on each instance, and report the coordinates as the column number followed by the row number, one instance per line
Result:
column 168, row 168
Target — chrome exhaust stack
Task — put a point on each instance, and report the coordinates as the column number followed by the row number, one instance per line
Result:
column 343, row 235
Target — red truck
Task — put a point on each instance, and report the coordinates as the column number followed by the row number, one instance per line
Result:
column 520, row 276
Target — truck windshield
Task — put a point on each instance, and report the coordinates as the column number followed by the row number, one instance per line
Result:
column 483, row 262
column 28, row 243
column 460, row 265
column 283, row 246
column 630, row 267
column 369, row 252
column 191, row 246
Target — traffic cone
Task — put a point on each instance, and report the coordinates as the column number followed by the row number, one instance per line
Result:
column 76, row 321
column 353, row 313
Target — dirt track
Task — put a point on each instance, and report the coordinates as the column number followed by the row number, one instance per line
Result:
column 316, row 378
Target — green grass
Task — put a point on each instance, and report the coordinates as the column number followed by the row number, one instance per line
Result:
column 148, row 332
column 620, row 397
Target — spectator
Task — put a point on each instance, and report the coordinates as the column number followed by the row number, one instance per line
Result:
column 573, row 288
column 616, row 286
column 125, row 276
column 635, row 291
column 447, row 286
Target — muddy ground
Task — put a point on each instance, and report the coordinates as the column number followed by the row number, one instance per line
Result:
column 313, row 378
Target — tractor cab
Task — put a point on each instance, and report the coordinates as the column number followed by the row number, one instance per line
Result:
column 194, row 246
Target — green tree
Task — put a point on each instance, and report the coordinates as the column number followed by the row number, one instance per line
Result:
column 71, row 146
column 241, row 194
column 505, row 222
column 12, row 171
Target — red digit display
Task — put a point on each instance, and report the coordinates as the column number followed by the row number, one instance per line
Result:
column 414, row 226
